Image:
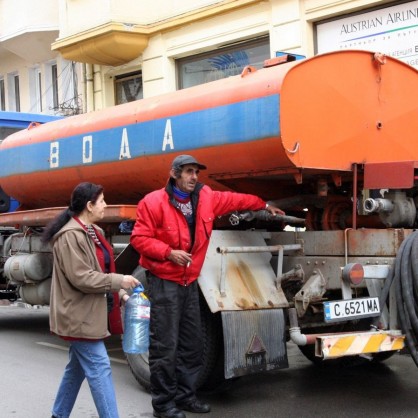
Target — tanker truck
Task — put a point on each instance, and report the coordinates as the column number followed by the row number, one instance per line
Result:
column 331, row 140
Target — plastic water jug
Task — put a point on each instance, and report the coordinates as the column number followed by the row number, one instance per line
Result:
column 136, row 324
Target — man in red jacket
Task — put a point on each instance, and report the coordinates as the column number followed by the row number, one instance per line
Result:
column 171, row 234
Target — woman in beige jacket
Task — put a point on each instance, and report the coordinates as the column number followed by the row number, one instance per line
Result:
column 83, row 273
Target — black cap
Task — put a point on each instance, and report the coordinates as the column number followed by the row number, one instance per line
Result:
column 186, row 159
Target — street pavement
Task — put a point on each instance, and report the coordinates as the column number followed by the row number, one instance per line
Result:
column 33, row 361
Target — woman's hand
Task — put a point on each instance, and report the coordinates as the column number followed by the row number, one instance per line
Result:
column 129, row 282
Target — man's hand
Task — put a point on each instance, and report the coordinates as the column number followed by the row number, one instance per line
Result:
column 274, row 210
column 180, row 257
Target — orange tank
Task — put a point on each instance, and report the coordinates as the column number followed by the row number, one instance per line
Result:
column 263, row 132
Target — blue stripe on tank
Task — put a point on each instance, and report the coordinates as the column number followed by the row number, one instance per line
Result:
column 229, row 124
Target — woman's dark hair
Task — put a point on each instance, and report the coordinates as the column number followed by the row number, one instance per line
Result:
column 81, row 195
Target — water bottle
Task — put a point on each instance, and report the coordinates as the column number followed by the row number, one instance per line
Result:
column 136, row 324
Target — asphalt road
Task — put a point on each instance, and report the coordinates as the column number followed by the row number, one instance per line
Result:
column 33, row 362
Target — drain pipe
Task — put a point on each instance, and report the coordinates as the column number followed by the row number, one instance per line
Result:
column 295, row 335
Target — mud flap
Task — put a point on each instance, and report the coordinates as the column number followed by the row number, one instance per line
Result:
column 254, row 341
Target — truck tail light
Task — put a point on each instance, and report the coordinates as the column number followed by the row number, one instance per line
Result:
column 353, row 273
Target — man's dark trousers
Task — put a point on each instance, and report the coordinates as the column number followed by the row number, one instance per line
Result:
column 175, row 353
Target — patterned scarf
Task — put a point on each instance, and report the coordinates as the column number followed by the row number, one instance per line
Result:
column 92, row 233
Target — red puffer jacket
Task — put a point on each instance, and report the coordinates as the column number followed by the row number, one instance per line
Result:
column 161, row 227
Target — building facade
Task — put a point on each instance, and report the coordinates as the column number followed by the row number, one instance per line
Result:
column 68, row 56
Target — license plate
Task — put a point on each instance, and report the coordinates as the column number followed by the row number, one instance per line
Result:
column 343, row 310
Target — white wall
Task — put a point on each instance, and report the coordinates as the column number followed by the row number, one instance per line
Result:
column 289, row 23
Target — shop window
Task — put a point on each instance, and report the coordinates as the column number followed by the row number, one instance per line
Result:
column 128, row 87
column 222, row 63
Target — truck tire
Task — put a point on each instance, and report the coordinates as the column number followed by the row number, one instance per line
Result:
column 212, row 373
column 138, row 363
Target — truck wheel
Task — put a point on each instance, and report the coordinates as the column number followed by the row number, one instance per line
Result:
column 138, row 363
column 212, row 373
